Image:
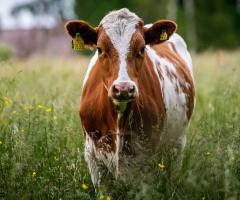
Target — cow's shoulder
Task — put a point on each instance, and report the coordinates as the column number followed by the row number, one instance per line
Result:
column 177, row 84
column 177, row 43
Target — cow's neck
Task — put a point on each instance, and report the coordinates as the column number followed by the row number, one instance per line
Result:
column 123, row 115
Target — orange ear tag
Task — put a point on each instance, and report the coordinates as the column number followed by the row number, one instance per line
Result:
column 77, row 43
column 163, row 35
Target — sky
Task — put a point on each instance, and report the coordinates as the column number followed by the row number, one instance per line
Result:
column 26, row 19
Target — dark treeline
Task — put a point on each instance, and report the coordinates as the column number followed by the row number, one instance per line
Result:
column 205, row 24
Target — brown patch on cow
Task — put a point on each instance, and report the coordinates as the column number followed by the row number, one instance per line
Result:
column 173, row 47
column 135, row 57
column 106, row 142
column 97, row 111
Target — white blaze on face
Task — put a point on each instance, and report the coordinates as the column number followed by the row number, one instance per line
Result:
column 120, row 26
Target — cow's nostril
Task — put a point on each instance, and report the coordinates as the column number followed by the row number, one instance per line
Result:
column 131, row 90
column 115, row 89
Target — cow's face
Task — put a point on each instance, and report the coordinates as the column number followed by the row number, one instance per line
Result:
column 120, row 39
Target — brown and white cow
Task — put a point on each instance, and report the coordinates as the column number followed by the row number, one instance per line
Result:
column 138, row 92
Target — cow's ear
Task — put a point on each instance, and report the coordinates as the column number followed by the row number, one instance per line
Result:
column 159, row 32
column 82, row 28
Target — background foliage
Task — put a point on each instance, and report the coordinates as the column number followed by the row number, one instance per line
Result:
column 211, row 24
column 41, row 141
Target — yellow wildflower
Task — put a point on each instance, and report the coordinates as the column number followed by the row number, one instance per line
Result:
column 161, row 166
column 22, row 130
column 1, row 142
column 14, row 112
column 6, row 101
column 34, row 173
column 40, row 106
column 49, row 110
column 208, row 153
column 27, row 107
column 101, row 197
column 55, row 117
column 84, row 186
column 109, row 198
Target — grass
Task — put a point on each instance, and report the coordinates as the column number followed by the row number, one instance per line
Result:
column 41, row 146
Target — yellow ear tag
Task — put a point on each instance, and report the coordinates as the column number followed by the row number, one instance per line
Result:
column 77, row 43
column 163, row 36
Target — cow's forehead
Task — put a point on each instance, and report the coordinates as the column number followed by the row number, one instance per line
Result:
column 122, row 19
column 120, row 25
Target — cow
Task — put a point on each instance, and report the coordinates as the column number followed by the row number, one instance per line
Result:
column 138, row 92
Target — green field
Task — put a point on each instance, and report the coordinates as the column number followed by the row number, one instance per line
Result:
column 41, row 146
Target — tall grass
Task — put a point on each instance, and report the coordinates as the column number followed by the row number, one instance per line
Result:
column 41, row 145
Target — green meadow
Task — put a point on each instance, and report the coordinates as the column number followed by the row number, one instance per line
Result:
column 41, row 140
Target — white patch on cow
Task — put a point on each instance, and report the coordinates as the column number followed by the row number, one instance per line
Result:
column 90, row 66
column 120, row 26
column 154, row 58
column 108, row 159
column 181, row 48
column 148, row 25
column 98, row 158
column 175, row 102
column 89, row 154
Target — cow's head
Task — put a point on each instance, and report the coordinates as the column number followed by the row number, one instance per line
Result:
column 121, row 39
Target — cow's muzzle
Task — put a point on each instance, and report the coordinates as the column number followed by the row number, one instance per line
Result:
column 123, row 91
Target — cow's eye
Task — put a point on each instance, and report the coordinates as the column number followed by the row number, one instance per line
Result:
column 99, row 51
column 141, row 51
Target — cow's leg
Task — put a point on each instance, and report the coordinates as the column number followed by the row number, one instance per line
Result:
column 171, row 153
column 180, row 146
column 93, row 164
column 100, row 175
column 94, row 169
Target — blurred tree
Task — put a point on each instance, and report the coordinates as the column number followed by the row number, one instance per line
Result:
column 94, row 10
column 238, row 6
column 42, row 7
column 203, row 23
column 46, row 14
column 190, row 29
column 172, row 10
column 217, row 24
column 150, row 10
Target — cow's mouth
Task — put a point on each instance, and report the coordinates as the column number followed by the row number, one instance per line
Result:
column 123, row 98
